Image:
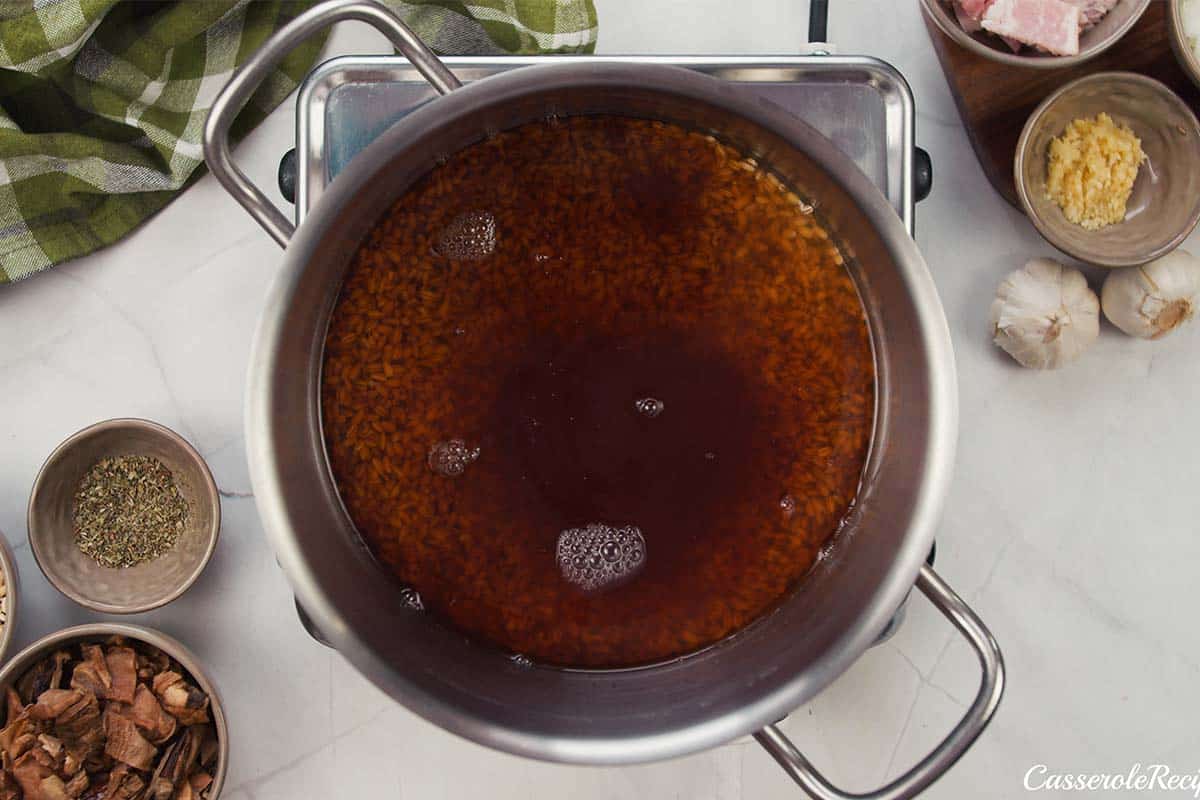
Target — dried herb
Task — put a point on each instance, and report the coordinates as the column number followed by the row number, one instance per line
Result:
column 128, row 510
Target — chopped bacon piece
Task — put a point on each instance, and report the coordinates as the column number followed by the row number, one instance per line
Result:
column 1050, row 25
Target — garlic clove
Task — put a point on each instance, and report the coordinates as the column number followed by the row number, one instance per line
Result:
column 1154, row 299
column 1045, row 315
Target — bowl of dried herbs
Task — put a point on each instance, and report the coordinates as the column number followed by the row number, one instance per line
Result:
column 124, row 516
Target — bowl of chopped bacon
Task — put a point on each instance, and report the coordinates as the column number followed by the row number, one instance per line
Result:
column 1035, row 33
column 110, row 711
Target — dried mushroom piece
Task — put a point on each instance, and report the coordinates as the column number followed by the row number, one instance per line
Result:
column 15, row 738
column 37, row 680
column 148, row 715
column 91, row 674
column 12, row 704
column 97, row 785
column 122, row 666
column 176, row 764
column 181, row 700
column 72, row 762
column 46, row 675
column 51, row 745
column 78, row 723
column 111, row 721
column 123, row 784
column 30, row 770
column 9, row 790
column 78, row 784
column 52, row 703
column 124, row 743
column 209, row 749
column 52, row 788
column 150, row 664
column 60, row 658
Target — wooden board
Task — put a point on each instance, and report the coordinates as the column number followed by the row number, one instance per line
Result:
column 995, row 99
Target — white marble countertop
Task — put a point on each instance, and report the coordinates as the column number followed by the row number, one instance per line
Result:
column 1071, row 525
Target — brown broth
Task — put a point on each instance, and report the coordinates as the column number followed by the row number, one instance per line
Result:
column 523, row 298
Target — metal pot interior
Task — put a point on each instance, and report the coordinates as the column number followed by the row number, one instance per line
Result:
column 644, row 714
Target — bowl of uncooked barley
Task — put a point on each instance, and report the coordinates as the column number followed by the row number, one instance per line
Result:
column 124, row 516
column 8, row 596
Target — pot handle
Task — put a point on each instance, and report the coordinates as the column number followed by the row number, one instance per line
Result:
column 930, row 768
column 249, row 75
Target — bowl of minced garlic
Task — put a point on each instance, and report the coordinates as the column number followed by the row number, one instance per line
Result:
column 1108, row 169
column 1091, row 170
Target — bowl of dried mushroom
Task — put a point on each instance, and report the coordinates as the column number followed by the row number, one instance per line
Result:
column 124, row 516
column 110, row 711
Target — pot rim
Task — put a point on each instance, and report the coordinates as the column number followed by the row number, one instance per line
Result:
column 265, row 467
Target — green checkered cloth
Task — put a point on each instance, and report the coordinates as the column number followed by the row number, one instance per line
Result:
column 102, row 102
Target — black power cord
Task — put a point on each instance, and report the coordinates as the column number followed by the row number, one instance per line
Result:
column 818, row 21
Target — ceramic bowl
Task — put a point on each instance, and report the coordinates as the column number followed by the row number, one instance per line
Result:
column 144, row 586
column 1092, row 42
column 101, row 631
column 1185, row 52
column 1165, row 204
column 8, row 603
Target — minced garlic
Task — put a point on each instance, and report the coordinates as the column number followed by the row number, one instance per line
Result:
column 1091, row 170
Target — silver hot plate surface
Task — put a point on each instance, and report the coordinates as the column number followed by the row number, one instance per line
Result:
column 862, row 104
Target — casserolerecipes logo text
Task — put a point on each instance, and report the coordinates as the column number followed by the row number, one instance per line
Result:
column 1138, row 778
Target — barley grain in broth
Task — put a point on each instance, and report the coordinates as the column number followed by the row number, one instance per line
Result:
column 636, row 342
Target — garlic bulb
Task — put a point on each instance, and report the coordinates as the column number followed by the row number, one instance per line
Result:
column 1152, row 300
column 1044, row 314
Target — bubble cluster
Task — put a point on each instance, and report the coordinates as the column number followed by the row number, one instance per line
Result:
column 411, row 598
column 599, row 555
column 468, row 237
column 451, row 458
column 649, row 407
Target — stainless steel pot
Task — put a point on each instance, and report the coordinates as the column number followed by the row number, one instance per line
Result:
column 743, row 685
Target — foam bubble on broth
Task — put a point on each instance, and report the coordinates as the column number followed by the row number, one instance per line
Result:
column 600, row 555
column 451, row 458
column 470, row 236
column 649, row 407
